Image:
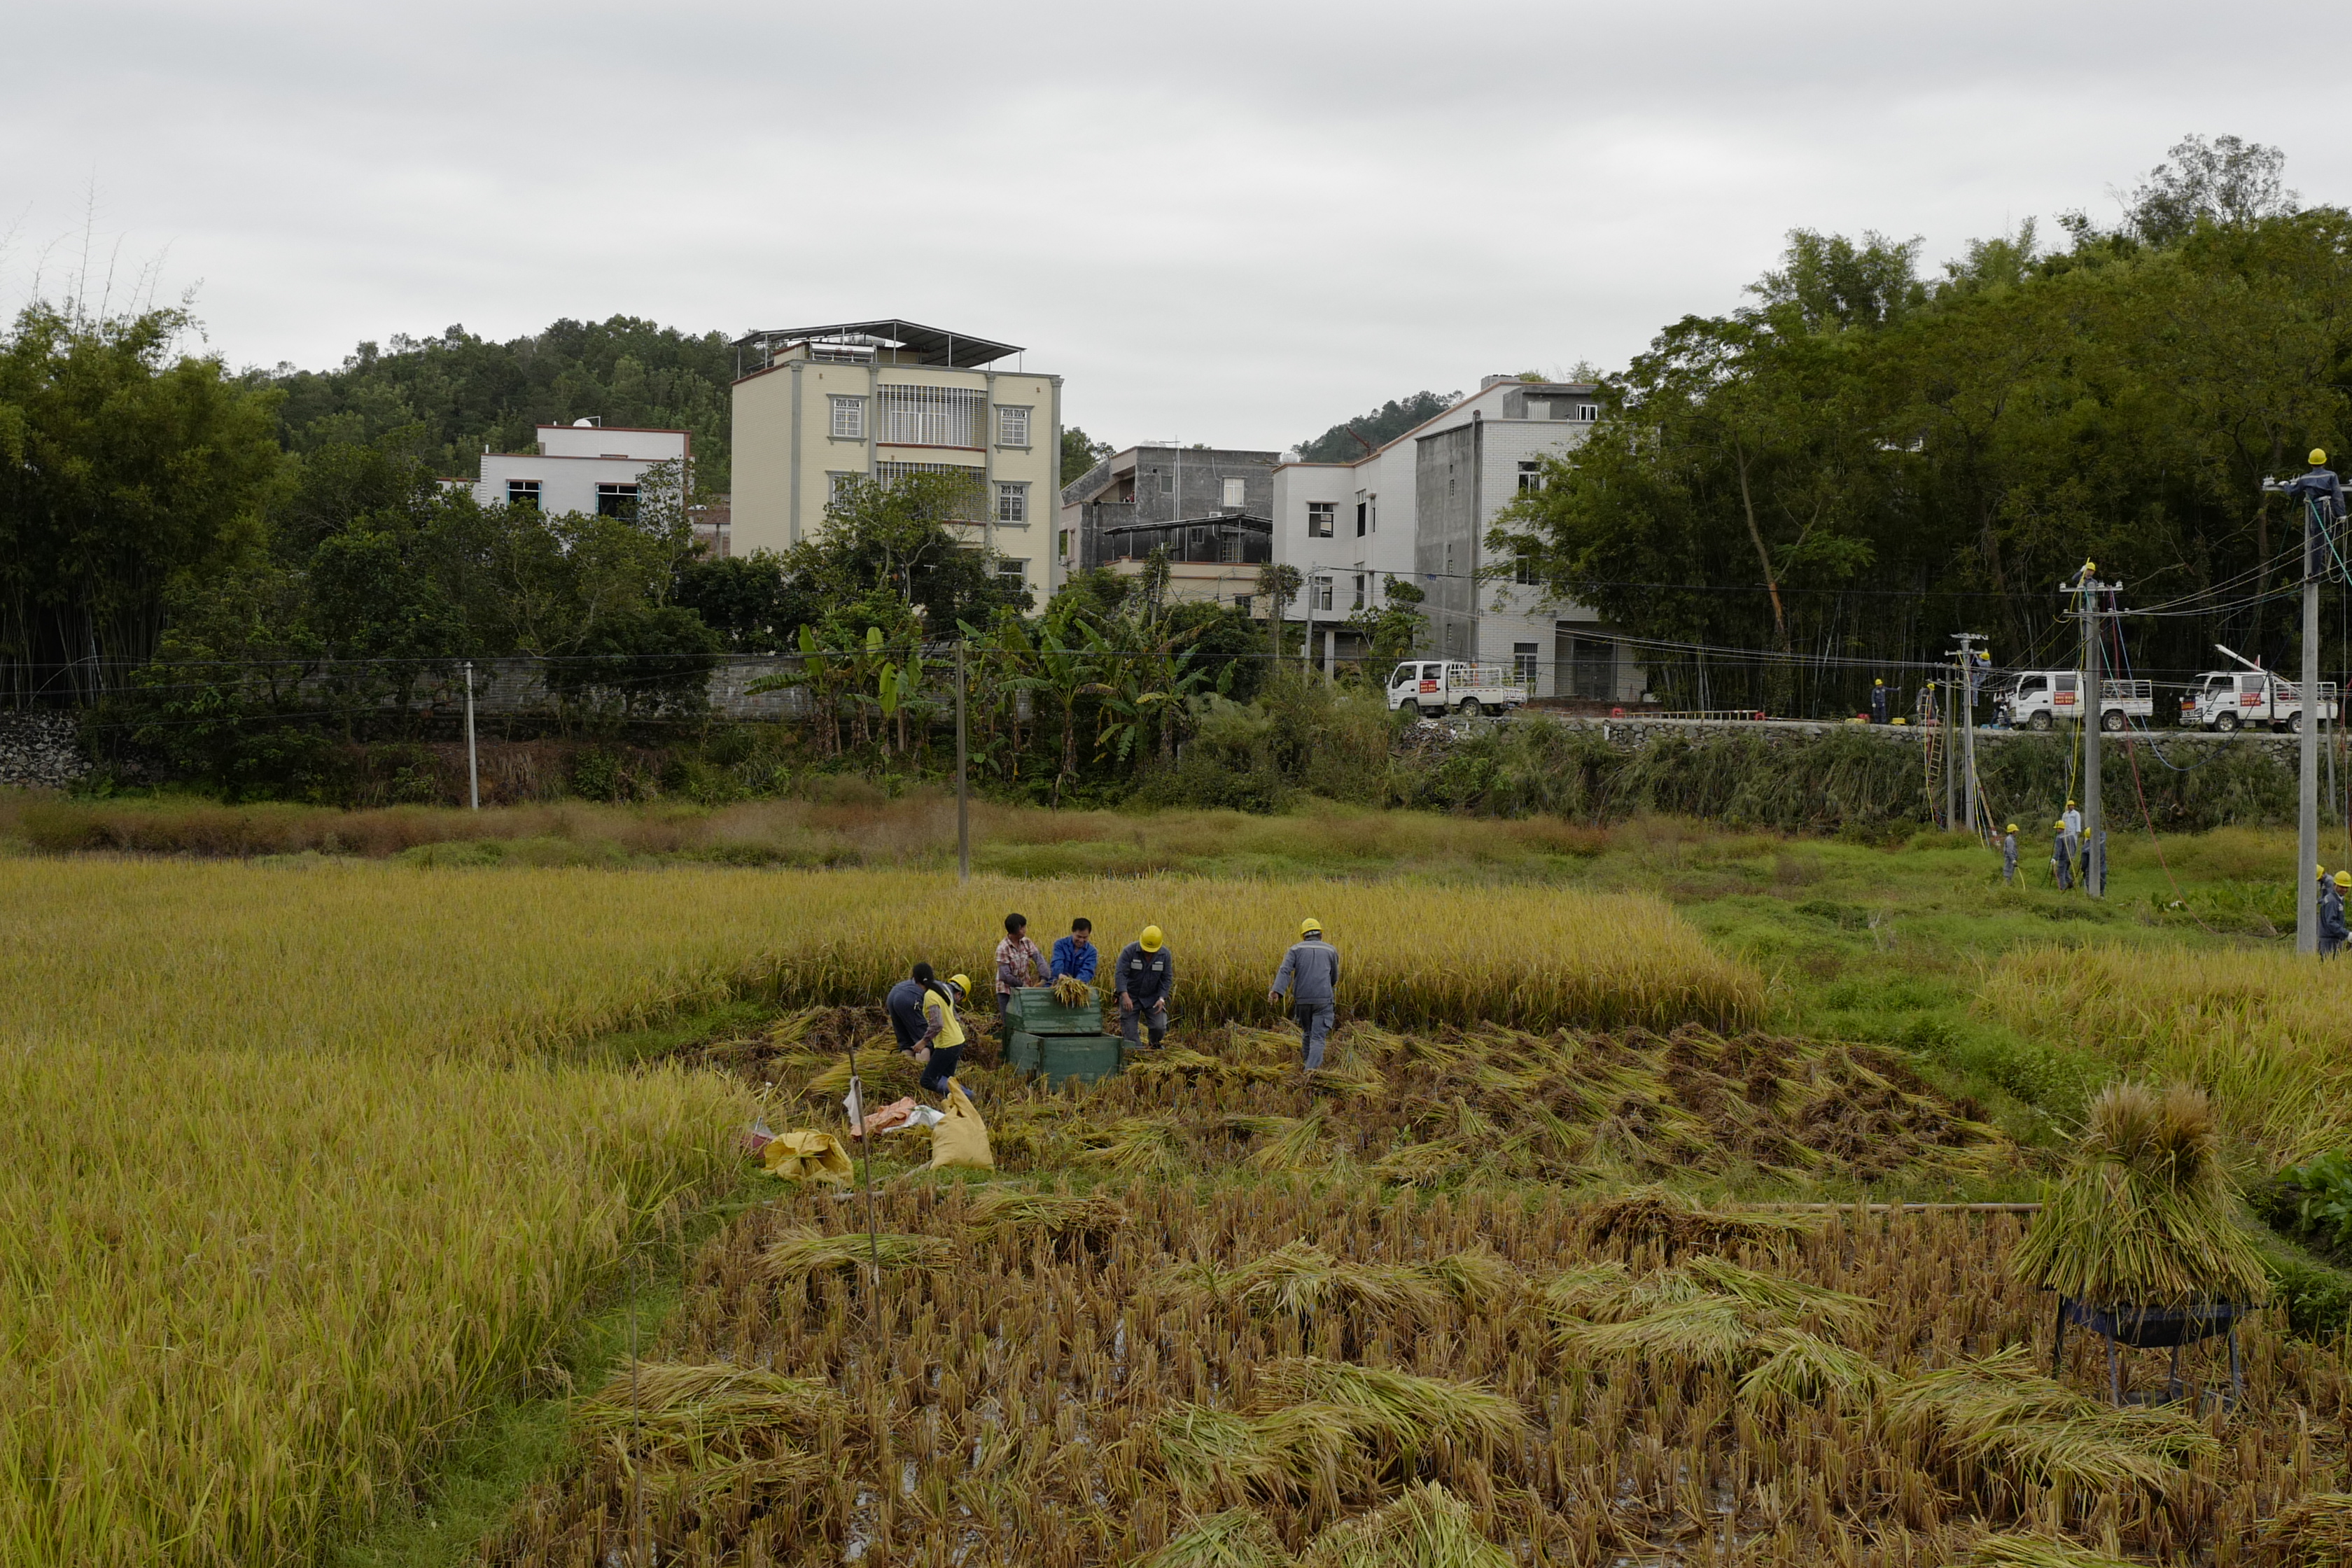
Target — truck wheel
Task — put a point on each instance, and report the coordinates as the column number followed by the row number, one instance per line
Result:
column 2293, row 725
column 1470, row 709
column 2112, row 720
column 2039, row 723
column 2227, row 723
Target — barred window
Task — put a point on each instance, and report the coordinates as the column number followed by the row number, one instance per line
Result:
column 932, row 415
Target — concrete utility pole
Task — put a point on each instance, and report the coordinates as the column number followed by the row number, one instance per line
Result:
column 1944, row 735
column 473, row 764
column 2091, row 702
column 2306, row 815
column 1966, row 720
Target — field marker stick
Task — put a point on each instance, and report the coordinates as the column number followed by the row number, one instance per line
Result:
column 873, row 1232
column 963, row 793
column 473, row 766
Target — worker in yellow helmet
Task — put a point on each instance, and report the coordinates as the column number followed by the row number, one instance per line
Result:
column 1146, row 977
column 2062, row 855
column 2008, row 855
column 1311, row 973
column 2320, row 486
column 2331, row 914
column 1878, row 702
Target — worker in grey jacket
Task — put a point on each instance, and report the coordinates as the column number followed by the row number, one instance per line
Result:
column 1311, row 973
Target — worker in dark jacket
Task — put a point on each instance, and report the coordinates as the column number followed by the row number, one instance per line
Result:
column 1878, row 702
column 2008, row 855
column 1311, row 973
column 904, row 1003
column 2320, row 485
column 2331, row 914
column 2062, row 857
column 1146, row 978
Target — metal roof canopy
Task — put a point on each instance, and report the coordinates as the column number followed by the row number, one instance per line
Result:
column 935, row 345
column 1243, row 521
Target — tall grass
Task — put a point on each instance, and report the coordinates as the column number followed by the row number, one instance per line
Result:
column 2267, row 1034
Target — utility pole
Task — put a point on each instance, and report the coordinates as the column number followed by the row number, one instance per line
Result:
column 473, row 763
column 2306, row 815
column 1944, row 735
column 964, row 795
column 2091, row 702
column 1966, row 720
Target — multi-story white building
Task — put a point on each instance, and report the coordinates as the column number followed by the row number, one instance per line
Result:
column 1419, row 508
column 584, row 466
column 817, row 405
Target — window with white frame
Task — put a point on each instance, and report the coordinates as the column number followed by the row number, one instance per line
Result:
column 1359, row 592
column 617, row 500
column 1586, row 413
column 1530, row 478
column 849, row 418
column 1167, row 483
column 1013, row 571
column 1526, row 571
column 841, row 483
column 1371, row 515
column 522, row 492
column 1236, row 493
column 1012, row 501
column 1323, row 593
column 1320, row 515
column 1523, row 663
column 1062, row 544
column 1012, row 425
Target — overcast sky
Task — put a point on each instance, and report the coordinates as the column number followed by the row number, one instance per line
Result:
column 1231, row 223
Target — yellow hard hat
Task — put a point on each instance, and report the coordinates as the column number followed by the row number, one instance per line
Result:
column 2060, row 825
column 2317, row 457
column 962, row 983
column 1878, row 683
column 2013, row 827
column 1151, row 939
column 2070, row 801
column 1310, row 927
column 2344, row 878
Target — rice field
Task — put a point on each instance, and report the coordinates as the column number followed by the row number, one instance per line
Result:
column 300, row 1174
column 1258, row 1372
column 2269, row 1035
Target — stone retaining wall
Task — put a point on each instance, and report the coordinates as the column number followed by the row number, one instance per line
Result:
column 40, row 750
column 1633, row 732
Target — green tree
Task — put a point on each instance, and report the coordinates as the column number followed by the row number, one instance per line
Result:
column 1081, row 452
column 1353, row 439
column 125, row 466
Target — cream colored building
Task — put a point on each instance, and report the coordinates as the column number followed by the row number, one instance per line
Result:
column 816, row 405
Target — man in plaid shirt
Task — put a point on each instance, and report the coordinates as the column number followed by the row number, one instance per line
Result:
column 1018, row 964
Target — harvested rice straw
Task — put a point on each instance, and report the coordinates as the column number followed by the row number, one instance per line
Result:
column 1092, row 1214
column 1428, row 1527
column 1237, row 1538
column 800, row 1259
column 2037, row 1551
column 1993, row 1412
column 2312, row 1532
column 2143, row 1216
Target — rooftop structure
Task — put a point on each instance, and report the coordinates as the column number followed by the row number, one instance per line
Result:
column 869, row 343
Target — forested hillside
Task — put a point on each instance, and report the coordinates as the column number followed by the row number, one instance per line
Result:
column 1864, row 460
column 465, row 391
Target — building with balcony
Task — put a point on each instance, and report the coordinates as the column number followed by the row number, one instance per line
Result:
column 585, row 467
column 814, row 406
column 1419, row 508
column 1214, row 558
column 1157, row 484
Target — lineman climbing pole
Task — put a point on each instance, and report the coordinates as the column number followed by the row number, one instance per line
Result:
column 2090, row 702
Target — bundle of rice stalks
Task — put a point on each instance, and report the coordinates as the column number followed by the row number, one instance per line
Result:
column 2315, row 1531
column 715, row 1426
column 793, row 1028
column 1237, row 1538
column 2143, row 1215
column 1809, row 1370
column 1135, row 1145
column 2037, row 1551
column 800, row 1260
column 1349, row 1083
column 1993, row 1412
column 1677, row 1223
column 885, row 1073
column 1298, row 1147
column 1709, row 1313
column 1413, row 1413
column 1479, row 1280
column 1071, row 992
column 1428, row 1527
column 1090, row 1216
column 1418, row 1164
column 1302, row 1279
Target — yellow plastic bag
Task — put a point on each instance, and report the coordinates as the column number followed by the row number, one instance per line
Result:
column 799, row 1156
column 963, row 1137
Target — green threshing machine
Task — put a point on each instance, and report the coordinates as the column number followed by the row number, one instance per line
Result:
column 1060, row 1042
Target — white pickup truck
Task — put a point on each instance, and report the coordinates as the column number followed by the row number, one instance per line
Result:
column 2226, row 699
column 2037, row 698
column 1437, row 686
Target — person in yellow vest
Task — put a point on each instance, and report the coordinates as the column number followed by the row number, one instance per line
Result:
column 942, row 1032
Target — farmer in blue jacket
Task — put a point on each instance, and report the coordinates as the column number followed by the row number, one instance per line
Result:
column 1075, row 954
